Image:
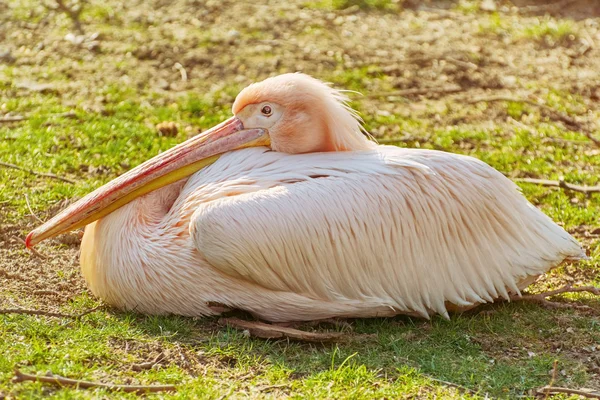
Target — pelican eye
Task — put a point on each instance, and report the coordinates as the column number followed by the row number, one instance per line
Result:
column 266, row 110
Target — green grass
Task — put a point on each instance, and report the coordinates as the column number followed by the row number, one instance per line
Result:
column 537, row 29
column 385, row 358
column 547, row 27
column 506, row 351
column 381, row 5
column 398, row 359
column 467, row 6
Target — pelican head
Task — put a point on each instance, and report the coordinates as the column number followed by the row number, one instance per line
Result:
column 302, row 115
column 292, row 113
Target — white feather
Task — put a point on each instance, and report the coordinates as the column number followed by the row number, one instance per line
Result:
column 298, row 237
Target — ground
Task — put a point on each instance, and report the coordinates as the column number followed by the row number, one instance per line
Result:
column 514, row 84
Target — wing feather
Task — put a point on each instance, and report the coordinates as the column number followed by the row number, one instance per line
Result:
column 408, row 229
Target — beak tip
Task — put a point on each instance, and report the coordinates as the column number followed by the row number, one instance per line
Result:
column 28, row 243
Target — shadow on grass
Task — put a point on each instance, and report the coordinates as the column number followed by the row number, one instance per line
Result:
column 504, row 350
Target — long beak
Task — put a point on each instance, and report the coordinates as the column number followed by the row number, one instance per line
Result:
column 168, row 167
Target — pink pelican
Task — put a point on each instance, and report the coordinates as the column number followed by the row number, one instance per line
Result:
column 290, row 211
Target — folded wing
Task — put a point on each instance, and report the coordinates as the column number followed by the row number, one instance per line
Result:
column 406, row 229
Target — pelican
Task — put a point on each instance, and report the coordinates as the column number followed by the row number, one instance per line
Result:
column 290, row 211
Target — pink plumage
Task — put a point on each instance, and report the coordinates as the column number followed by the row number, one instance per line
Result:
column 321, row 223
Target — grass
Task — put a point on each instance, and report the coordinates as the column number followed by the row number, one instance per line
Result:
column 543, row 29
column 505, row 351
column 467, row 6
column 402, row 358
column 550, row 28
column 381, row 5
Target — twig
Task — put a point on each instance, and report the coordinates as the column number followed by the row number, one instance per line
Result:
column 149, row 364
column 571, row 122
column 31, row 249
column 336, row 322
column 522, row 125
column 73, row 14
column 540, row 298
column 267, row 331
column 546, row 139
column 46, row 293
column 561, row 184
column 44, row 174
column 31, row 211
column 592, row 138
column 15, row 118
column 24, row 311
column 8, row 275
column 268, row 388
column 443, row 13
column 451, row 384
column 556, row 6
column 68, row 114
column 60, row 381
column 460, row 63
column 553, row 378
column 418, row 91
column 218, row 308
column 550, row 139
column 590, row 394
column 495, row 98
column 589, row 38
column 182, row 71
column 404, row 139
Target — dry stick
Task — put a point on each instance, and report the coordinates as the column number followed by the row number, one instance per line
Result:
column 460, row 63
column 218, row 307
column 24, row 311
column 418, row 91
column 451, row 384
column 16, row 118
column 550, row 139
column 547, row 7
column 31, row 211
column 554, row 390
column 589, row 38
column 336, row 322
column 267, row 331
column 541, row 297
column 46, row 293
column 561, row 184
column 60, row 381
column 148, row 364
column 404, row 139
column 592, row 138
column 44, row 174
column 553, row 378
column 546, row 139
column 182, row 71
column 31, row 249
column 74, row 15
column 268, row 388
column 8, row 275
column 556, row 114
column 490, row 99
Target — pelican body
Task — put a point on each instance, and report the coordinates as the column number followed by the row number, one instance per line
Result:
column 289, row 211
